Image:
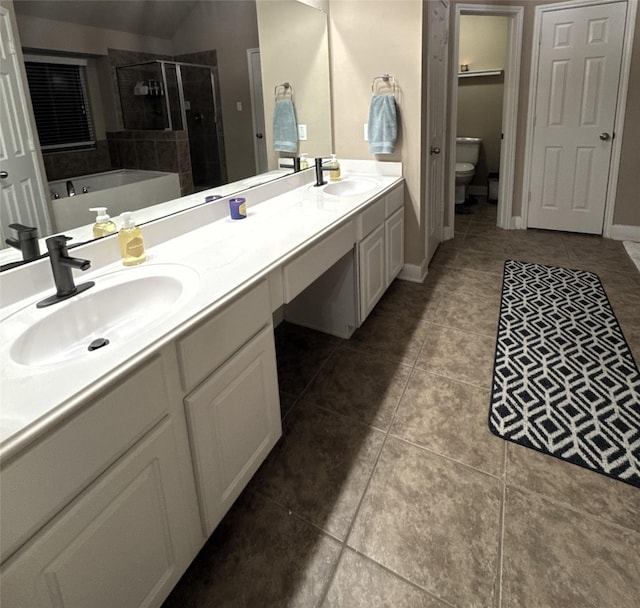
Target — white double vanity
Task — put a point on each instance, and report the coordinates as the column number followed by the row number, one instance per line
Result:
column 117, row 464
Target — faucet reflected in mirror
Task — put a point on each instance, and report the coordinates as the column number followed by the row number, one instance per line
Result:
column 27, row 241
column 253, row 31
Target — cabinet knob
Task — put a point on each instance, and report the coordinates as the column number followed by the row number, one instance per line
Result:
column 434, row 150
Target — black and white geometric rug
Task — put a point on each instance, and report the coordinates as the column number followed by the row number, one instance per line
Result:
column 564, row 379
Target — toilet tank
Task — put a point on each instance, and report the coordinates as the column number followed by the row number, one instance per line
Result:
column 468, row 149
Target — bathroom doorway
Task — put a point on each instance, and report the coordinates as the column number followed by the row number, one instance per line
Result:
column 481, row 81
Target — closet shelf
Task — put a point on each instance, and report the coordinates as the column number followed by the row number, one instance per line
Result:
column 480, row 73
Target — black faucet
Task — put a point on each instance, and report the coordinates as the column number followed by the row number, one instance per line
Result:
column 61, row 265
column 27, row 241
column 71, row 191
column 295, row 166
column 319, row 169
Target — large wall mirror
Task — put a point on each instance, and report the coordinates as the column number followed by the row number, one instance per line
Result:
column 185, row 87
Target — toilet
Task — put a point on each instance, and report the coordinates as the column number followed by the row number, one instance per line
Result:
column 467, row 152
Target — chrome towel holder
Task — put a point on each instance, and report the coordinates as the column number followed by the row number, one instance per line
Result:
column 388, row 80
column 288, row 89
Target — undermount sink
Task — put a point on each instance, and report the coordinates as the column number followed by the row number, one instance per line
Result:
column 351, row 186
column 116, row 309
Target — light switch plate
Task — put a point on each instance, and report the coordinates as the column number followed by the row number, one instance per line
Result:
column 302, row 132
column 366, row 131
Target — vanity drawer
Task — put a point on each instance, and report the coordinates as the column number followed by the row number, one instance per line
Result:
column 308, row 266
column 394, row 200
column 370, row 218
column 39, row 483
column 211, row 343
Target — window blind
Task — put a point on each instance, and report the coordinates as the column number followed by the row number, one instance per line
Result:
column 61, row 105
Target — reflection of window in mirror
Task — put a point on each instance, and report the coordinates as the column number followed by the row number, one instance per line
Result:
column 60, row 99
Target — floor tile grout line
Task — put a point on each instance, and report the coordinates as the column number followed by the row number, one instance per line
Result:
column 294, row 405
column 501, row 532
column 448, row 458
column 565, row 505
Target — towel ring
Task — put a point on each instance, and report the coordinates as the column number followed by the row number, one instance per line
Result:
column 387, row 79
column 287, row 89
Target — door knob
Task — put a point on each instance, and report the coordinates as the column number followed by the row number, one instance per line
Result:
column 3, row 175
column 259, row 135
column 605, row 136
column 434, row 150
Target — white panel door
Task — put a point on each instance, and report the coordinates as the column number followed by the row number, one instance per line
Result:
column 578, row 73
column 436, row 117
column 22, row 197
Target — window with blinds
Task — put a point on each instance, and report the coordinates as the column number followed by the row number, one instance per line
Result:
column 60, row 103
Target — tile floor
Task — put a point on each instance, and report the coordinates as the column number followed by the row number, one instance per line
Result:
column 387, row 489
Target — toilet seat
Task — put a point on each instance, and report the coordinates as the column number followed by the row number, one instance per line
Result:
column 464, row 169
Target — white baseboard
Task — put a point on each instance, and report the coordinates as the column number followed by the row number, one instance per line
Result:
column 414, row 272
column 619, row 232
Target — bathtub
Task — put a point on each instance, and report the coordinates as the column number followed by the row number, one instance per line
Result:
column 118, row 191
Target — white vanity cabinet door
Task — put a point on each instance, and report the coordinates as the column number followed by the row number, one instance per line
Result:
column 125, row 541
column 234, row 421
column 372, row 267
column 394, row 241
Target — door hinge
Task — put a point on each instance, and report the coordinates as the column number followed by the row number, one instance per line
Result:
column 501, row 135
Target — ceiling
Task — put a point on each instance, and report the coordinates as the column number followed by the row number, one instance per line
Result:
column 160, row 18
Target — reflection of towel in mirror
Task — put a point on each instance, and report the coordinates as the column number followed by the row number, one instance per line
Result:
column 285, row 127
column 383, row 125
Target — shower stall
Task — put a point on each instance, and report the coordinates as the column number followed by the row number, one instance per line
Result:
column 173, row 96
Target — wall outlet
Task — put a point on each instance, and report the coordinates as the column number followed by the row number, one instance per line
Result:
column 187, row 104
column 302, row 132
column 366, row 131
column 239, row 106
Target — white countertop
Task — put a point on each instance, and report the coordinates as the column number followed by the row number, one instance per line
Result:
column 229, row 256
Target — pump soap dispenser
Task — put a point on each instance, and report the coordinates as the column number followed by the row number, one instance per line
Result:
column 103, row 225
column 334, row 169
column 131, row 241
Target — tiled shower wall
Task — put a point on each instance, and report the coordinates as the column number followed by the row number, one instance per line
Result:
column 61, row 165
column 153, row 151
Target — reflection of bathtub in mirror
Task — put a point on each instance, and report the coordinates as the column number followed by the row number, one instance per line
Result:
column 118, row 191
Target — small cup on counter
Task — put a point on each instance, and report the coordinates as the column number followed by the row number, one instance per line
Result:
column 237, row 208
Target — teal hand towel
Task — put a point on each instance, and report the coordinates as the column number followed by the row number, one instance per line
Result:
column 383, row 124
column 285, row 127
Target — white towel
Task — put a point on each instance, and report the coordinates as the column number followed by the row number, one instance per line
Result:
column 383, row 125
column 285, row 127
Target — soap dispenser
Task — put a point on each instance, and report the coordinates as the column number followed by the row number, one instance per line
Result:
column 304, row 161
column 131, row 241
column 334, row 169
column 103, row 225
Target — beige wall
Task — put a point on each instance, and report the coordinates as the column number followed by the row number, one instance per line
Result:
column 36, row 33
column 483, row 46
column 300, row 57
column 230, row 28
column 369, row 38
column 627, row 210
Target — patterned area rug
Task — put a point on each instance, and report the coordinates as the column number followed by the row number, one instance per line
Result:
column 564, row 379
